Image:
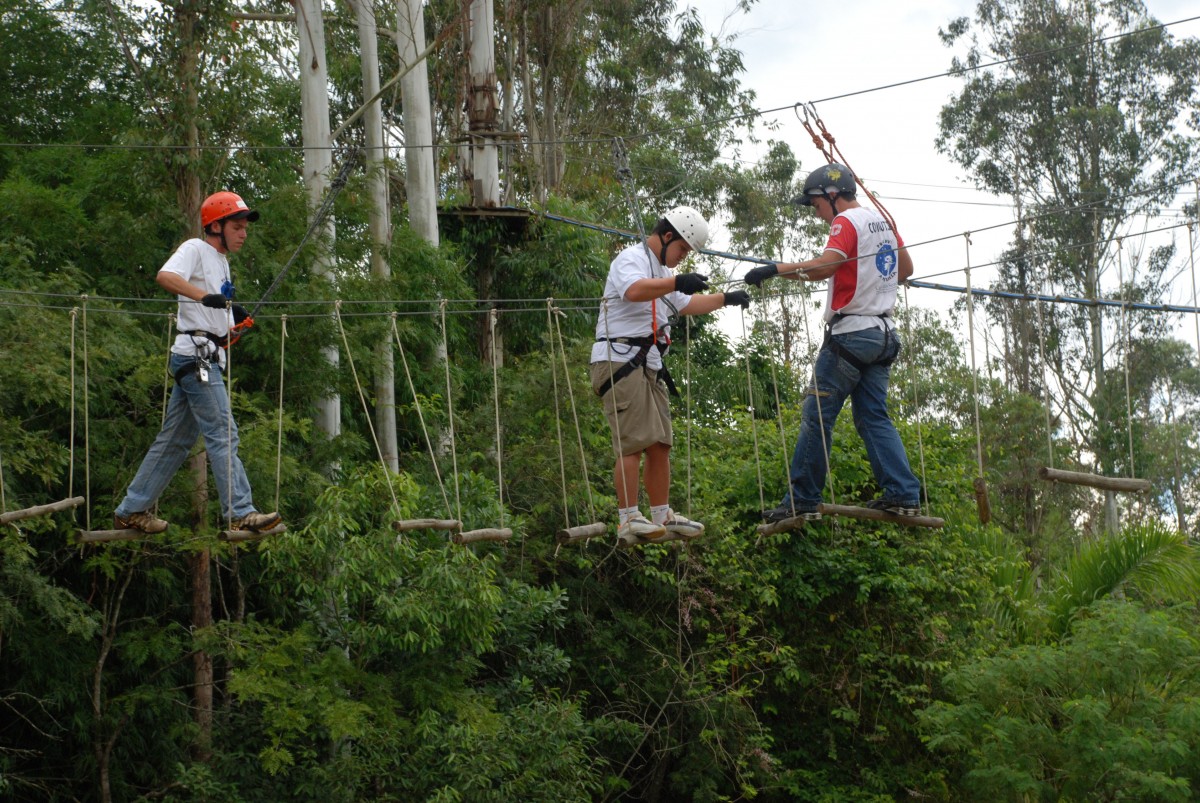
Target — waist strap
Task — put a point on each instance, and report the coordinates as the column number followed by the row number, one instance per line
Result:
column 637, row 361
column 220, row 341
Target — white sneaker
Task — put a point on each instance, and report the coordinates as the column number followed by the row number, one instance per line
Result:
column 640, row 527
column 682, row 525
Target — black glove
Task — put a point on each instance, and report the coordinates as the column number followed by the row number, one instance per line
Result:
column 756, row 276
column 239, row 313
column 689, row 283
column 737, row 297
column 215, row 300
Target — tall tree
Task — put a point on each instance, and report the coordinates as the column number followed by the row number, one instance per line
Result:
column 1085, row 128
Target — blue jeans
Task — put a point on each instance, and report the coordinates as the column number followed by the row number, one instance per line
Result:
column 196, row 408
column 867, row 390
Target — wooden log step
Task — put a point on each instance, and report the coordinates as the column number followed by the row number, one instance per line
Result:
column 472, row 536
column 41, row 510
column 1126, row 484
column 629, row 541
column 881, row 515
column 581, row 532
column 238, row 536
column 98, row 536
column 426, row 524
column 787, row 525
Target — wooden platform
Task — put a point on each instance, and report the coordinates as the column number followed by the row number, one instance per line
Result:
column 239, row 536
column 473, row 536
column 881, row 515
column 787, row 525
column 102, row 536
column 40, row 510
column 853, row 512
column 408, row 525
column 1124, row 484
column 630, row 541
column 582, row 532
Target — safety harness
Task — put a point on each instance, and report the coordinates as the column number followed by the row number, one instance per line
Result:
column 643, row 345
column 192, row 367
column 842, row 352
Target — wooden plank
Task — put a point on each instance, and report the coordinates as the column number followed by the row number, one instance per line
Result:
column 41, row 510
column 787, row 525
column 472, row 536
column 97, row 536
column 1126, row 484
column 426, row 524
column 881, row 515
column 238, row 536
column 629, row 541
column 581, row 532
column 982, row 504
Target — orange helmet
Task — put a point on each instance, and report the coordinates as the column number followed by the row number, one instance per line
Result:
column 225, row 206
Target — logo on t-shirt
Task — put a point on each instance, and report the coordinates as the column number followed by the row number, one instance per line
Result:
column 835, row 230
column 885, row 261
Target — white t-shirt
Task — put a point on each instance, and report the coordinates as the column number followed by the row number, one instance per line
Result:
column 206, row 269
column 864, row 287
column 621, row 318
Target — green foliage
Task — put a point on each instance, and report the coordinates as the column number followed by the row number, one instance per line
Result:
column 1108, row 714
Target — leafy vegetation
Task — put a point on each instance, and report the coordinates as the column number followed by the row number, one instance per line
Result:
column 1028, row 658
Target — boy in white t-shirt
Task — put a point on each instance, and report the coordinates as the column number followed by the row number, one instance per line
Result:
column 198, row 273
column 627, row 368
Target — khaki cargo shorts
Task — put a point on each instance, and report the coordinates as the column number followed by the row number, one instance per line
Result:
column 637, row 406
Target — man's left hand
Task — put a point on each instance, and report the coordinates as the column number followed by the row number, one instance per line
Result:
column 239, row 313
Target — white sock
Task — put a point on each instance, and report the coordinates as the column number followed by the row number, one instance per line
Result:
column 627, row 513
column 658, row 513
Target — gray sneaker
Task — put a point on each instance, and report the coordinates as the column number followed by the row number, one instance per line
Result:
column 792, row 511
column 255, row 522
column 895, row 507
column 640, row 527
column 682, row 525
column 144, row 521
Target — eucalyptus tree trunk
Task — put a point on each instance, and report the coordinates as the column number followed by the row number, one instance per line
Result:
column 379, row 224
column 318, row 164
column 484, row 178
column 420, row 176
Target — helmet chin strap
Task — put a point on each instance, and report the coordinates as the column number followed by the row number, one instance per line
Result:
column 221, row 234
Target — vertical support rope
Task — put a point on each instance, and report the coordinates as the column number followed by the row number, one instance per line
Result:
column 279, row 428
column 450, row 415
column 1125, row 338
column 167, row 369
column 762, row 501
column 362, row 397
column 87, row 435
column 816, row 394
column 616, row 418
column 783, row 452
column 492, row 314
column 912, row 372
column 974, row 371
column 687, row 362
column 1192, row 262
column 229, row 428
column 1045, row 377
column 562, row 459
column 562, row 350
column 412, row 388
column 71, row 470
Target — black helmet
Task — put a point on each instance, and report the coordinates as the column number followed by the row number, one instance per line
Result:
column 832, row 178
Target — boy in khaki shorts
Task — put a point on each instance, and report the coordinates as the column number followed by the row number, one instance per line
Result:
column 627, row 367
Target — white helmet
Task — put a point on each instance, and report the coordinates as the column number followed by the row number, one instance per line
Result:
column 690, row 224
